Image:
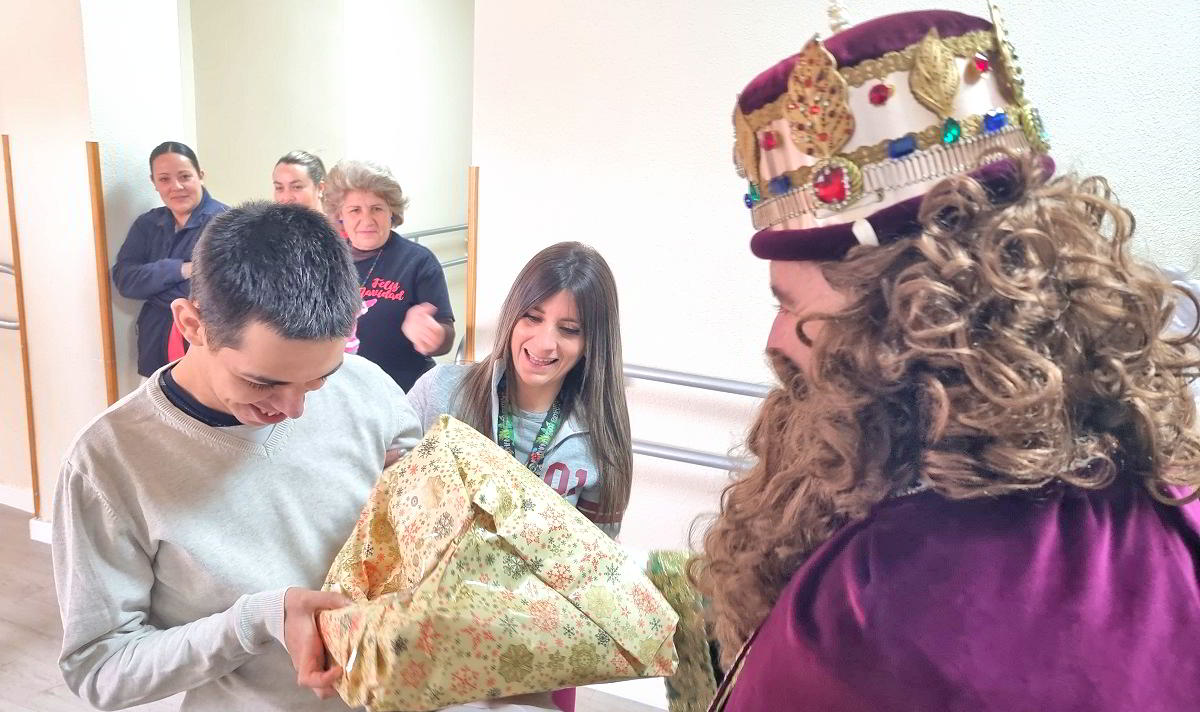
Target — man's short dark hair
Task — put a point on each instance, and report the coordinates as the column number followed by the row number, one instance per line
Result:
column 282, row 265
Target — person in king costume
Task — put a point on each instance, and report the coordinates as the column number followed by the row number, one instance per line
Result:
column 975, row 484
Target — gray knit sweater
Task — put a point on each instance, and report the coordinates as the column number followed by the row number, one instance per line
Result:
column 174, row 541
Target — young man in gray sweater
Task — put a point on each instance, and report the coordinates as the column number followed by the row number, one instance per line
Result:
column 195, row 518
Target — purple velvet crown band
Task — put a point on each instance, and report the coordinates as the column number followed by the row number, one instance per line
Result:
column 832, row 242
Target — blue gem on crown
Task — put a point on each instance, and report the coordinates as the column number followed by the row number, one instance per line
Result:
column 901, row 147
column 994, row 120
column 780, row 185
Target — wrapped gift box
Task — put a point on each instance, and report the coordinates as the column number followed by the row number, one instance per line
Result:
column 472, row 579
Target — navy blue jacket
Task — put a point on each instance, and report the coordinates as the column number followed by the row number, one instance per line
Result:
column 148, row 267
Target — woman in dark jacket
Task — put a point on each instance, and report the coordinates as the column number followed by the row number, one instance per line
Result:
column 155, row 262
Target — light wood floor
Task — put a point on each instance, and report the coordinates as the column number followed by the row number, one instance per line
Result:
column 30, row 631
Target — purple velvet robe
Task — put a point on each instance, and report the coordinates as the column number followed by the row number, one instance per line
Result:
column 1068, row 601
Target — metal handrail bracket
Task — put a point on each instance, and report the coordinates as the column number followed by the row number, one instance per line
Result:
column 13, row 325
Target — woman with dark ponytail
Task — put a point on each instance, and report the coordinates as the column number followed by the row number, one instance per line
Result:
column 299, row 177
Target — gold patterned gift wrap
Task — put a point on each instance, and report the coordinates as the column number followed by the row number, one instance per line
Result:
column 472, row 579
column 694, row 684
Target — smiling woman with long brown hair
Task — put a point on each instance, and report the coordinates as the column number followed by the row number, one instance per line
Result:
column 552, row 390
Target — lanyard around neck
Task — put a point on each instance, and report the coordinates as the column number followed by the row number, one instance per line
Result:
column 505, row 432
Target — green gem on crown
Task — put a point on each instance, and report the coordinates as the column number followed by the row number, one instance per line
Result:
column 754, row 195
column 951, row 130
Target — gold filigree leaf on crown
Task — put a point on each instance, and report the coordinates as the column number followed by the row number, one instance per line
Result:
column 1012, row 84
column 934, row 76
column 745, row 146
column 818, row 104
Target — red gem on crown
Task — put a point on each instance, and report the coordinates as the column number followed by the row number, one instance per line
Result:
column 977, row 66
column 830, row 185
column 879, row 94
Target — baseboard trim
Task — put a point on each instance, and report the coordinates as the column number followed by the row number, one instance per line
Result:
column 39, row 530
column 16, row 498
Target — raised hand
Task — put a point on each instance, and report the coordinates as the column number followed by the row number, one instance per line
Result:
column 425, row 332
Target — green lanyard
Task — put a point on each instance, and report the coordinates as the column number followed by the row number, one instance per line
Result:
column 505, row 432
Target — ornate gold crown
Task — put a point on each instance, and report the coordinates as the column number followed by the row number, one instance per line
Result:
column 837, row 143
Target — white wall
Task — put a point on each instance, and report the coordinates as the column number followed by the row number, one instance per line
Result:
column 45, row 110
column 610, row 123
column 139, row 94
column 267, row 81
column 384, row 80
column 408, row 88
column 1117, row 83
column 601, row 122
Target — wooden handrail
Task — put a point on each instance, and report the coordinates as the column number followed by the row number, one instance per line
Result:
column 103, row 280
column 24, row 330
column 472, row 254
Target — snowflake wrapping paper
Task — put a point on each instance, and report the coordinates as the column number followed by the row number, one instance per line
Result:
column 472, row 579
column 694, row 683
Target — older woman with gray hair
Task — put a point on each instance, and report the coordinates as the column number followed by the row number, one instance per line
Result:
column 406, row 317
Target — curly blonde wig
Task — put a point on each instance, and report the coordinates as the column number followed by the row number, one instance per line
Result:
column 1011, row 345
column 366, row 176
